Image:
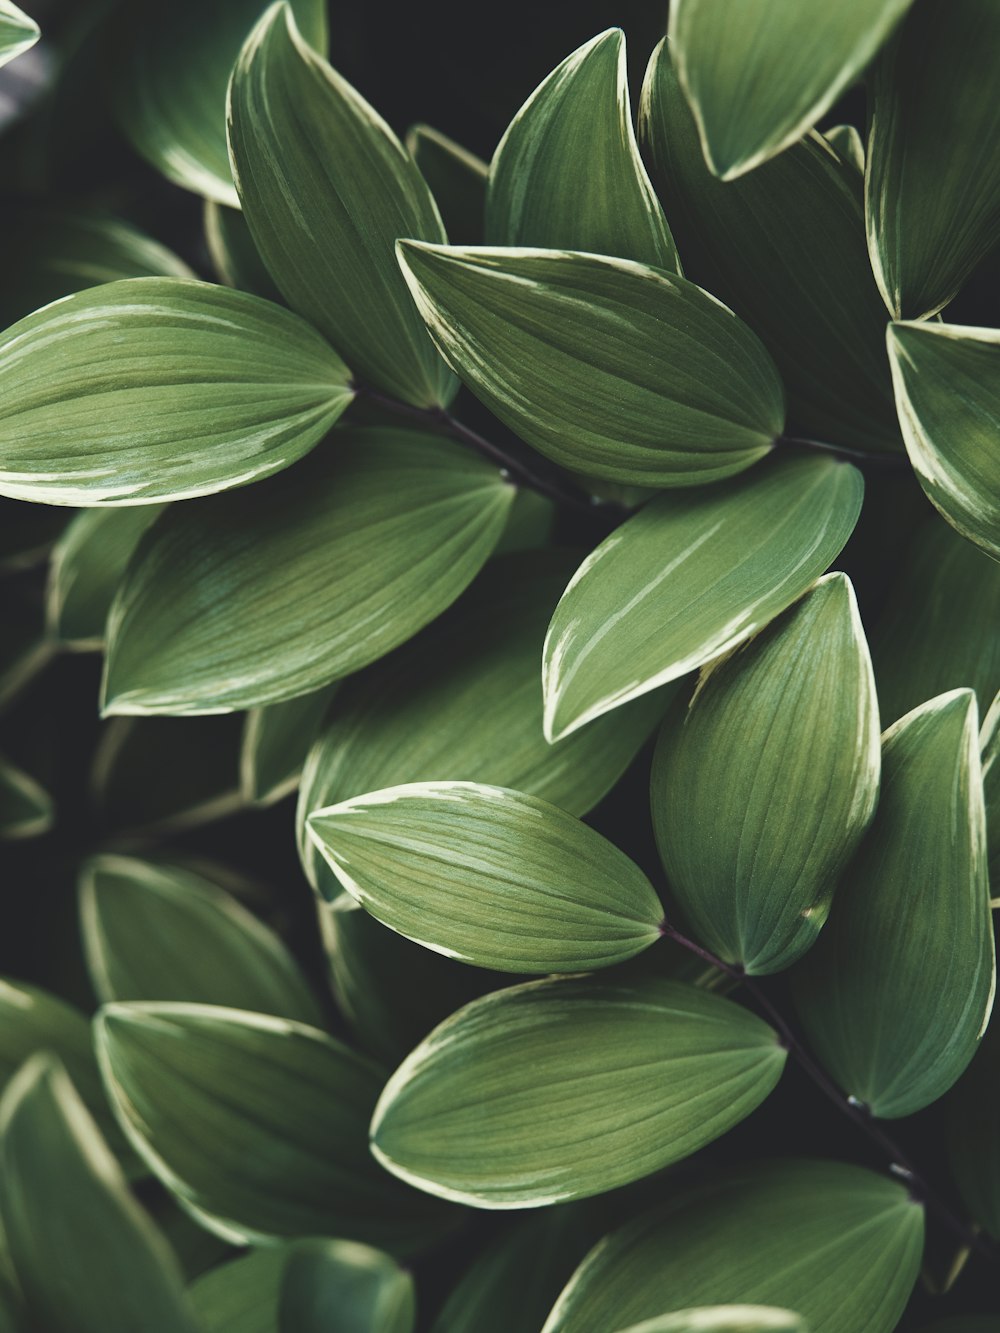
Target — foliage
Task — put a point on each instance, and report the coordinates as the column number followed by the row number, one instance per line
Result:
column 500, row 672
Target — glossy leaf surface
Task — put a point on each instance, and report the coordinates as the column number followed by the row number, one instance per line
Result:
column 899, row 990
column 159, row 389
column 556, row 1090
column 605, row 366
column 567, row 174
column 304, row 580
column 490, row 876
column 688, row 578
column 326, row 189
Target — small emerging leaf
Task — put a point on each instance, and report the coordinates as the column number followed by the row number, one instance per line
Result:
column 88, row 563
column 26, row 808
column 276, row 741
column 457, row 180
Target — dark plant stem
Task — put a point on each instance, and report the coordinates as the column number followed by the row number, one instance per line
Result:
column 885, row 462
column 900, row 1163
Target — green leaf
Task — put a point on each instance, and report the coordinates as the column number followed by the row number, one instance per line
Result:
column 723, row 1319
column 209, row 948
column 26, row 808
column 88, row 563
column 87, row 1257
column 567, row 174
column 758, row 77
column 489, row 876
column 689, row 578
column 326, row 188
column 941, row 625
column 605, row 366
column 164, row 774
column 763, row 789
column 241, row 1296
column 25, row 648
column 339, row 1284
column 556, row 1090
column 282, row 1113
column 457, row 180
column 839, row 1245
column 60, row 252
column 464, row 703
column 847, row 143
column 784, row 247
column 276, row 741
column 932, row 190
column 233, row 253
column 947, row 382
column 989, row 743
column 899, row 990
column 171, row 85
column 973, row 1134
column 98, row 406
column 18, row 33
column 303, row 580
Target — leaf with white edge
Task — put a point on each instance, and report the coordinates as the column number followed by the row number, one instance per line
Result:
column 489, row 876
column 723, row 1319
column 556, row 1090
column 847, row 143
column 841, row 1246
column 689, row 578
column 338, row 1284
column 241, row 1296
column 209, row 948
column 567, row 174
column 88, row 1258
column 457, row 180
column 233, row 253
column 26, row 808
column 171, row 88
column 326, row 189
column 940, row 628
column 898, row 992
column 989, row 744
column 464, row 703
column 947, row 380
column 18, row 32
column 282, row 1110
column 784, row 247
column 88, row 563
column 972, row 1133
column 303, row 580
column 763, row 789
column 605, row 366
column 61, row 251
column 276, row 741
column 159, row 389
column 760, row 75
column 932, row 188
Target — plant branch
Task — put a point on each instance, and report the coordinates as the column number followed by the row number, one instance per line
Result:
column 887, row 462
column 900, row 1162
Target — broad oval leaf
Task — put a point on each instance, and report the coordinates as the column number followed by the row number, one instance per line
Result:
column 723, row 1319
column 26, row 808
column 898, row 992
column 276, row 741
column 304, row 580
column 457, row 180
column 567, row 174
column 973, row 1133
column 784, row 247
column 87, row 1257
column 340, row 1284
column 209, row 948
column 932, row 187
column 606, row 366
column 88, row 563
column 326, row 188
column 282, row 1111
column 760, row 75
column 947, row 382
column 940, row 628
column 159, row 389
column 687, row 579
column 464, row 703
column 171, row 87
column 490, row 876
column 18, row 32
column 762, row 791
column 241, row 1296
column 556, row 1090
column 841, row 1246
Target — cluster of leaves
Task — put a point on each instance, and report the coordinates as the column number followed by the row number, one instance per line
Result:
column 482, row 505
